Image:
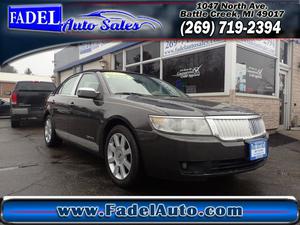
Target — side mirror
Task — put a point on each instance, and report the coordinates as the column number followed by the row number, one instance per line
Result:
column 87, row 93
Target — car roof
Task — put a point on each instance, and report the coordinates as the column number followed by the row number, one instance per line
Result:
column 33, row 81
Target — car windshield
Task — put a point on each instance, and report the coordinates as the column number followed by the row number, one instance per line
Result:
column 128, row 83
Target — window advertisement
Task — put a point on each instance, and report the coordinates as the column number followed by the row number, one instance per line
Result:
column 255, row 73
column 177, row 47
column 267, row 46
column 201, row 72
column 139, row 112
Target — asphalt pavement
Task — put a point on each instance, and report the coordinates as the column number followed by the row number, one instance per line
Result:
column 28, row 167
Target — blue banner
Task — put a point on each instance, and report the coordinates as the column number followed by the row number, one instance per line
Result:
column 78, row 21
column 150, row 209
column 35, row 17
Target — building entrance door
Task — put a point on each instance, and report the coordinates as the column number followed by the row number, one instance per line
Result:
column 283, row 99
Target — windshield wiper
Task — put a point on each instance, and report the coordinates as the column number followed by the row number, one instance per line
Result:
column 128, row 93
column 166, row 95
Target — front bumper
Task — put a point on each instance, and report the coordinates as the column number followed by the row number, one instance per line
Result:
column 180, row 157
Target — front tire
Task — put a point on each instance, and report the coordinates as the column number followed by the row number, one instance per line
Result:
column 51, row 139
column 122, row 159
column 14, row 123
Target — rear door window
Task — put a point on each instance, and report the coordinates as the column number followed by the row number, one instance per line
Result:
column 69, row 86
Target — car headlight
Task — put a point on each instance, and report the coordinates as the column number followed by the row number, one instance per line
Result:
column 181, row 125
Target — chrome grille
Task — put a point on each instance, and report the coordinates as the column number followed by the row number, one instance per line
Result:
column 229, row 128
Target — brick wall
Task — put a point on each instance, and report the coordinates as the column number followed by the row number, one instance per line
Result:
column 295, row 109
column 4, row 88
column 267, row 107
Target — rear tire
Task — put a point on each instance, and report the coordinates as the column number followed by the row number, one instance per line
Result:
column 15, row 123
column 122, row 158
column 51, row 139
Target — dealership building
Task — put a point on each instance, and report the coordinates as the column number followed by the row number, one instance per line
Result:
column 263, row 75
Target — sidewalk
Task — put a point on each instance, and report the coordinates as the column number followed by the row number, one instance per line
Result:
column 291, row 133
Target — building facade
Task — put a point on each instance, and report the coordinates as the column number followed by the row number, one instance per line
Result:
column 262, row 75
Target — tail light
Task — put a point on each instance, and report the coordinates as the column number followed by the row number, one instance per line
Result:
column 14, row 98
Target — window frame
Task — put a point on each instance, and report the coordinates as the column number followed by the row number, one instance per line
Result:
column 287, row 53
column 129, row 49
column 276, row 58
column 58, row 92
column 100, row 88
column 114, row 59
column 206, row 49
column 142, row 52
column 224, row 44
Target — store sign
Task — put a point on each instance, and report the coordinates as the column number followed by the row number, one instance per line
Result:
column 86, row 48
column 177, row 47
column 266, row 46
column 94, row 47
column 189, row 72
column 44, row 17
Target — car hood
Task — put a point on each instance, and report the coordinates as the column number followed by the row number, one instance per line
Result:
column 181, row 106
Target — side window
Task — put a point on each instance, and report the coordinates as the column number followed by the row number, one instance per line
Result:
column 68, row 86
column 89, row 80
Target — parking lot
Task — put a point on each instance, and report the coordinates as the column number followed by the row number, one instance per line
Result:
column 28, row 167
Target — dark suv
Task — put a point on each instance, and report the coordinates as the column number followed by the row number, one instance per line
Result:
column 139, row 123
column 28, row 100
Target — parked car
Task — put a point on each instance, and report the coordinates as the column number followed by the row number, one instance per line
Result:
column 143, row 124
column 4, row 108
column 28, row 100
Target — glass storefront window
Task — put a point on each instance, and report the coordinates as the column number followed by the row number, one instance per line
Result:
column 283, row 52
column 255, row 73
column 197, row 73
column 119, row 61
column 135, row 69
column 133, row 56
column 152, row 69
column 151, row 51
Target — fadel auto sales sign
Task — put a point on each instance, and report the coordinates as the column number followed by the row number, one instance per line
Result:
column 49, row 18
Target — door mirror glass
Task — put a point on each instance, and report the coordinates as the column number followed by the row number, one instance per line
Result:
column 87, row 93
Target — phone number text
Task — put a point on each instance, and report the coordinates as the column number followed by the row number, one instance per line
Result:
column 229, row 27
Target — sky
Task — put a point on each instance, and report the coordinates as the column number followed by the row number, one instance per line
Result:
column 40, row 63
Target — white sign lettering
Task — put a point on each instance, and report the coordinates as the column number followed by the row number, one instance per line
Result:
column 177, row 47
column 265, row 46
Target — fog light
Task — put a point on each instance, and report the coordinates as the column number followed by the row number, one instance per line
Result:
column 184, row 165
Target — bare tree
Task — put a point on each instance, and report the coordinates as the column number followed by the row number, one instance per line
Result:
column 28, row 71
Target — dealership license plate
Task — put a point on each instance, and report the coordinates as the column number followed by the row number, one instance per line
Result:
column 258, row 149
column 20, row 111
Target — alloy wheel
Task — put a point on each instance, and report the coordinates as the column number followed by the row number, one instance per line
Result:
column 48, row 130
column 119, row 156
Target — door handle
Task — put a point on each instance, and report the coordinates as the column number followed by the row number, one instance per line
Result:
column 71, row 103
